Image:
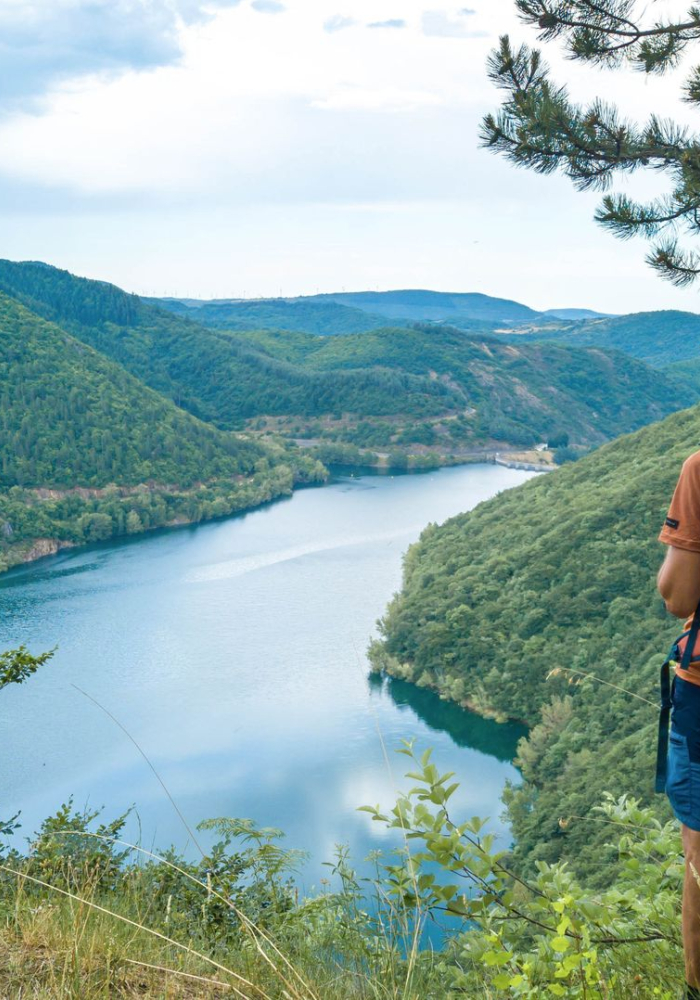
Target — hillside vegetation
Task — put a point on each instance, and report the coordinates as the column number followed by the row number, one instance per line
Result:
column 425, row 388
column 658, row 338
column 324, row 318
column 69, row 416
column 531, row 606
column 518, row 393
column 221, row 378
column 88, row 452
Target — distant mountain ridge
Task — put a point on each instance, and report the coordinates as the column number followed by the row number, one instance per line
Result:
column 355, row 312
column 658, row 338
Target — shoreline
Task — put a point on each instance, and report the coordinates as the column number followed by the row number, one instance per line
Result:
column 46, row 547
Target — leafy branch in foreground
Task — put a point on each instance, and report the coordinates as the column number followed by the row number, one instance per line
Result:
column 544, row 936
column 18, row 665
column 540, row 127
column 112, row 904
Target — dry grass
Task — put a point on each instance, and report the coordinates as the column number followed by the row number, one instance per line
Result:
column 40, row 969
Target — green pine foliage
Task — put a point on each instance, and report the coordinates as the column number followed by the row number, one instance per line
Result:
column 539, row 126
column 541, row 605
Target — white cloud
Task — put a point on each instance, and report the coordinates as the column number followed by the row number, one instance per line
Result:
column 268, row 6
column 285, row 150
column 389, row 100
column 338, row 23
column 392, row 22
column 43, row 42
column 439, row 24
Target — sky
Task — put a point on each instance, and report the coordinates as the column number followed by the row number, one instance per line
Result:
column 243, row 148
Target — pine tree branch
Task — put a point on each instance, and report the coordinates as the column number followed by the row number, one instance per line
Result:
column 604, row 31
column 554, row 18
column 680, row 267
column 538, row 125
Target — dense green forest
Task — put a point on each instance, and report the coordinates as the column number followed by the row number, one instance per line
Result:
column 39, row 523
column 531, row 606
column 432, row 387
column 519, row 393
column 220, row 378
column 69, row 416
column 87, row 452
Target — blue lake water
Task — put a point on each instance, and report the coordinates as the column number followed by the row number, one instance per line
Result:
column 234, row 653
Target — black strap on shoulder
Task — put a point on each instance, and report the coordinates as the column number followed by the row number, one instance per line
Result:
column 666, row 700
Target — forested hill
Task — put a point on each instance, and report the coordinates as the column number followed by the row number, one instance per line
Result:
column 221, row 378
column 354, row 312
column 658, row 338
column 433, row 387
column 88, row 452
column 59, row 295
column 323, row 318
column 69, row 417
column 500, row 604
column 421, row 305
column 520, row 393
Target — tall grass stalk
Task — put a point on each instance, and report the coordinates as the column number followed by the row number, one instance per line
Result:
column 251, row 928
column 141, row 927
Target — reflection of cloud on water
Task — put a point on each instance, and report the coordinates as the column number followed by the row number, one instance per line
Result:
column 249, row 564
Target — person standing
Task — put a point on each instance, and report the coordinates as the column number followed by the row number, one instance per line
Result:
column 679, row 585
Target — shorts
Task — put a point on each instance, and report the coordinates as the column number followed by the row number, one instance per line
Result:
column 683, row 775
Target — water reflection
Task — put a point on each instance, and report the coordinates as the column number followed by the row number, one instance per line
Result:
column 466, row 729
column 234, row 653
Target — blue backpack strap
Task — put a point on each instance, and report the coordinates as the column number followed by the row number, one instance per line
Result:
column 664, row 720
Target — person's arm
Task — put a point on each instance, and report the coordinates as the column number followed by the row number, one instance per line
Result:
column 679, row 581
column 679, row 577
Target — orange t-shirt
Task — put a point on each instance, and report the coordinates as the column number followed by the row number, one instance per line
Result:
column 682, row 530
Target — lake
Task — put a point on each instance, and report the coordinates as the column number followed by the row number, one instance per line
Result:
column 234, row 654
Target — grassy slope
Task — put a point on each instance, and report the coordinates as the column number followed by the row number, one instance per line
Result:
column 499, row 603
